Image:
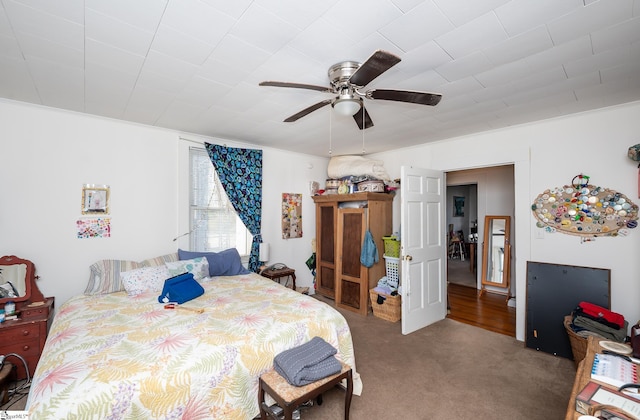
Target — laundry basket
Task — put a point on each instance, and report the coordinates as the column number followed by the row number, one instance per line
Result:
column 391, row 246
column 392, row 266
column 389, row 310
column 578, row 343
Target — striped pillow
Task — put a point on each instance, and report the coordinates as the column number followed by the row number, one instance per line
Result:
column 105, row 274
column 161, row 260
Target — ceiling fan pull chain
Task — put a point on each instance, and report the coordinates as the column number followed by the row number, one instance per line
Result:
column 363, row 151
column 330, row 132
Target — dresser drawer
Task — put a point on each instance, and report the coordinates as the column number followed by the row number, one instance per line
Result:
column 20, row 333
column 26, row 336
column 23, row 347
column 31, row 312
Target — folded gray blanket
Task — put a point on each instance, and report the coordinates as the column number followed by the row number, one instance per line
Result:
column 308, row 362
column 601, row 329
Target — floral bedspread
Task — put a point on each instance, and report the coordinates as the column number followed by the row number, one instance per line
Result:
column 115, row 356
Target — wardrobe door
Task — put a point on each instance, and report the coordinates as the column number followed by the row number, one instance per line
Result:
column 352, row 289
column 326, row 249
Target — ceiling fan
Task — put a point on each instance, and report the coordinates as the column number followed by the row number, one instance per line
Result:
column 348, row 78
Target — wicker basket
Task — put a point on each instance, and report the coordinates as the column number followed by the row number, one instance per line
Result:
column 389, row 310
column 578, row 344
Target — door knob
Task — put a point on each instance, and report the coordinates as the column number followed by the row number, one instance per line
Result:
column 408, row 258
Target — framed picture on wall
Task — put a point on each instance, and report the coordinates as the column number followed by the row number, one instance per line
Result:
column 95, row 199
column 458, row 206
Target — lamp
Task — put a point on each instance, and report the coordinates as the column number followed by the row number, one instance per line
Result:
column 264, row 252
column 346, row 105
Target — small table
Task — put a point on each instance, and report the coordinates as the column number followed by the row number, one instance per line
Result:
column 278, row 274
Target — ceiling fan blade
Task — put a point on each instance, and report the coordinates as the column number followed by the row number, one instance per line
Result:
column 422, row 98
column 308, row 110
column 296, row 85
column 358, row 117
column 379, row 62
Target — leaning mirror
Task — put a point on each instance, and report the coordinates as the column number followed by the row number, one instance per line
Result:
column 496, row 253
column 17, row 279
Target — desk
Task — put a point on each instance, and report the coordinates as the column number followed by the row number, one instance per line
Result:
column 583, row 375
column 278, row 274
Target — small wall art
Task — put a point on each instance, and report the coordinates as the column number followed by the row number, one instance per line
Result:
column 95, row 199
column 458, row 206
column 584, row 209
column 94, row 228
column 291, row 216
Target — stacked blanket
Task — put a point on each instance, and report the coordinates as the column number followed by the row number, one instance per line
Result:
column 342, row 166
column 308, row 362
column 591, row 319
column 582, row 323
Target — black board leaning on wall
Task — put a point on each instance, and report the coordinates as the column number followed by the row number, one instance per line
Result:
column 553, row 292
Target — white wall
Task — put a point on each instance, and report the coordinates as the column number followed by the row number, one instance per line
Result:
column 458, row 223
column 547, row 154
column 48, row 154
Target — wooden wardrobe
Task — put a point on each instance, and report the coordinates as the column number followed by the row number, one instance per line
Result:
column 341, row 223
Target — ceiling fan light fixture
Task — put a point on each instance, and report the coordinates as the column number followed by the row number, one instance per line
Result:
column 348, row 80
column 347, row 106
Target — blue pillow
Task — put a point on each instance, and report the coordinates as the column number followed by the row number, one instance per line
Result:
column 224, row 263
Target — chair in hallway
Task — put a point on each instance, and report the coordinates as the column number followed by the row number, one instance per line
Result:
column 456, row 245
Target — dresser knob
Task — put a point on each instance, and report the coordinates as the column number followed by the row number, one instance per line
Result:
column 25, row 348
column 25, row 332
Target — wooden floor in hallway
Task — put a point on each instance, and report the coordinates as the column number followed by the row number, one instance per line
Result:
column 489, row 311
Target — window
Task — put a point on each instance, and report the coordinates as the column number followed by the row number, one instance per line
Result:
column 214, row 224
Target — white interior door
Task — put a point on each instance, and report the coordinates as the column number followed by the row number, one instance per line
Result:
column 423, row 247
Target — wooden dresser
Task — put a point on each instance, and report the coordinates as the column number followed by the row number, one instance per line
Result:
column 341, row 223
column 26, row 335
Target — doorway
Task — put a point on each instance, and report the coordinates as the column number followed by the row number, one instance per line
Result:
column 486, row 191
column 462, row 233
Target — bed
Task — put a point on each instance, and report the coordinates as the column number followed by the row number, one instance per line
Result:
column 115, row 355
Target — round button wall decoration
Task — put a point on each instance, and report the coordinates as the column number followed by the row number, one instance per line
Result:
column 585, row 210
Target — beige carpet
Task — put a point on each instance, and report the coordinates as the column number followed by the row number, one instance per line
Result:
column 448, row 370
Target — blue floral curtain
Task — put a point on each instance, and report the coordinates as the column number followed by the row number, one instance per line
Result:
column 240, row 172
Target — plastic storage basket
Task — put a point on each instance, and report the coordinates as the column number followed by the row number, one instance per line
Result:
column 393, row 270
column 391, row 246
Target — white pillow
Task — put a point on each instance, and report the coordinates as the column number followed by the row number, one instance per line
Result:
column 144, row 279
column 199, row 267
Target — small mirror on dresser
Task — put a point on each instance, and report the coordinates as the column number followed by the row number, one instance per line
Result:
column 18, row 281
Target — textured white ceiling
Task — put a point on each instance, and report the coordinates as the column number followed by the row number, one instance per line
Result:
column 195, row 65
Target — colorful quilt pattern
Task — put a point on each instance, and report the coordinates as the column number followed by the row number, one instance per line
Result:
column 120, row 357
